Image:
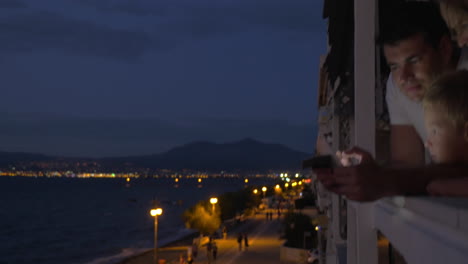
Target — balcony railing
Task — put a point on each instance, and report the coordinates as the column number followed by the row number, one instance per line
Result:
column 425, row 230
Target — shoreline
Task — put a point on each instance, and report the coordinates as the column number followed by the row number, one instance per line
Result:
column 172, row 250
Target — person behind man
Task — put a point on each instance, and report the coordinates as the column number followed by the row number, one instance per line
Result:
column 417, row 49
column 460, row 4
column 446, row 118
column 457, row 21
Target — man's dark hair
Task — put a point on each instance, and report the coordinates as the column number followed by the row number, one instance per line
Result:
column 411, row 18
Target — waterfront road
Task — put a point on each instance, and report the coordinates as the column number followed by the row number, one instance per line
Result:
column 264, row 244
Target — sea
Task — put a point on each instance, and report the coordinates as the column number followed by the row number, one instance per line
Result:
column 95, row 221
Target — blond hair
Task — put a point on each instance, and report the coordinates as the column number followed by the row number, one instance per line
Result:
column 454, row 16
column 449, row 93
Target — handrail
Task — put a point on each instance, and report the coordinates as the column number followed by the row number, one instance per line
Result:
column 421, row 238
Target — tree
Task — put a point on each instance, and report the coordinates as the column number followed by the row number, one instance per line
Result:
column 202, row 219
column 296, row 226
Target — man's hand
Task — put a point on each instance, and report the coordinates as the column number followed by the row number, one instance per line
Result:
column 354, row 156
column 359, row 182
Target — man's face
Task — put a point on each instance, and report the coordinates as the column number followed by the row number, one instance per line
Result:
column 445, row 141
column 414, row 65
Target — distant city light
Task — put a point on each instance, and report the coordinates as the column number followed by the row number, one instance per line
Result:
column 297, row 175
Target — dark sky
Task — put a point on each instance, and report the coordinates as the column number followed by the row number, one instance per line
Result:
column 125, row 77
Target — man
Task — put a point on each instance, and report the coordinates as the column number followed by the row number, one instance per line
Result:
column 417, row 48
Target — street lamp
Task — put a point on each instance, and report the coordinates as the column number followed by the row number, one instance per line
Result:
column 264, row 189
column 213, row 201
column 255, row 191
column 155, row 213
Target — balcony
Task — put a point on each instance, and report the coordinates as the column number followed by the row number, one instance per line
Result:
column 425, row 230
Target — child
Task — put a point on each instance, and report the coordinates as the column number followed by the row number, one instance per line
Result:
column 446, row 119
column 457, row 20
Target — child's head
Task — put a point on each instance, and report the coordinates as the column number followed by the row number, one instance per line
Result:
column 446, row 118
column 456, row 18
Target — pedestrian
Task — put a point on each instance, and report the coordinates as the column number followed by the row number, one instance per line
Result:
column 182, row 259
column 194, row 250
column 239, row 241
column 189, row 255
column 215, row 250
column 224, row 232
column 246, row 241
column 209, row 249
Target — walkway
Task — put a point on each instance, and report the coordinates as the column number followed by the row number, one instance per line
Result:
column 263, row 240
column 264, row 244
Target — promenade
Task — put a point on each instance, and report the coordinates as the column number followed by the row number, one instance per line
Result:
column 264, row 246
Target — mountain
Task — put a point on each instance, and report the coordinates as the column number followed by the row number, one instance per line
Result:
column 247, row 154
column 15, row 157
column 244, row 155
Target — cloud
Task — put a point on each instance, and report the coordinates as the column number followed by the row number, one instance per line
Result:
column 127, row 29
column 49, row 31
column 12, row 4
column 286, row 15
column 132, row 7
column 213, row 17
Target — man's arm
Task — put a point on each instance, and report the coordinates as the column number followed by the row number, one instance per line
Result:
column 369, row 182
column 449, row 187
column 407, row 148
